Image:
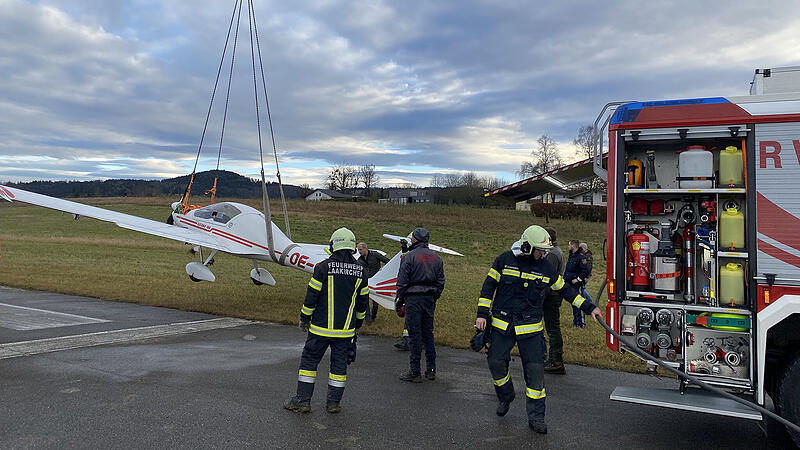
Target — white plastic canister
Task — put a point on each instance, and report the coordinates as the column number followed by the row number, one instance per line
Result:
column 695, row 162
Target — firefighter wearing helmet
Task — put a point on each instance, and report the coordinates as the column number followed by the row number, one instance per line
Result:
column 510, row 307
column 335, row 306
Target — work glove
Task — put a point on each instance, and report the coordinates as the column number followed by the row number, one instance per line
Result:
column 304, row 325
column 403, row 245
column 350, row 356
column 400, row 307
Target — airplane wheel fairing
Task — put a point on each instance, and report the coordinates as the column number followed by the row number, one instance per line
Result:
column 197, row 271
column 262, row 276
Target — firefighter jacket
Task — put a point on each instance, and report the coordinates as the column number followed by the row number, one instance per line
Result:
column 577, row 267
column 421, row 272
column 514, row 290
column 337, row 297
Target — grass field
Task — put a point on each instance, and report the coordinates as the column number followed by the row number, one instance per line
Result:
column 45, row 250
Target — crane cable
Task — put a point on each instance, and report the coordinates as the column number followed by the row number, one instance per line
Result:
column 269, row 118
column 184, row 204
column 213, row 190
column 265, row 195
column 638, row 352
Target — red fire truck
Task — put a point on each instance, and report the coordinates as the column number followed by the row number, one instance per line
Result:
column 703, row 243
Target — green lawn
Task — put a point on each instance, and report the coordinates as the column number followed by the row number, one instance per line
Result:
column 45, row 250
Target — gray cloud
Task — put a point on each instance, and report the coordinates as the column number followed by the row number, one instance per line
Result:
column 105, row 88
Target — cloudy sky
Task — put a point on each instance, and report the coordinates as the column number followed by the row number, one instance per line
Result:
column 120, row 89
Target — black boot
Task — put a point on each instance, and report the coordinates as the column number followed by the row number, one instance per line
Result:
column 538, row 425
column 502, row 408
column 412, row 377
column 402, row 344
column 556, row 368
column 298, row 406
column 333, row 407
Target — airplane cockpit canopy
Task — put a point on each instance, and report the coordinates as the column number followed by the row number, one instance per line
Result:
column 218, row 212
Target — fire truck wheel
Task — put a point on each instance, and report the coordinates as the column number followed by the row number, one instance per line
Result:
column 789, row 395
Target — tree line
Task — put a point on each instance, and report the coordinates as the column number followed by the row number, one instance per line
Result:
column 229, row 184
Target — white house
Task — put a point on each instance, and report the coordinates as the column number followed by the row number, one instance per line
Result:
column 329, row 194
column 583, row 198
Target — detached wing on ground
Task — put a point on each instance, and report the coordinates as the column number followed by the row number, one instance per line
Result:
column 128, row 221
column 433, row 247
column 383, row 285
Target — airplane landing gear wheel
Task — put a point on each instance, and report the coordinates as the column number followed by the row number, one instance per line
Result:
column 170, row 220
column 256, row 282
column 194, row 279
column 789, row 395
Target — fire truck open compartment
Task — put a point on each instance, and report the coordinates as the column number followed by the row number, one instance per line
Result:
column 703, row 212
column 684, row 298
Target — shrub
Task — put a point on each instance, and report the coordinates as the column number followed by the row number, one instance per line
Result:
column 561, row 210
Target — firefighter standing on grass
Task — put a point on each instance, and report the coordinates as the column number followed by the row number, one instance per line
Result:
column 420, row 282
column 336, row 303
column 511, row 305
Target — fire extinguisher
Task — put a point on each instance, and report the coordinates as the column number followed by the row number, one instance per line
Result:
column 639, row 260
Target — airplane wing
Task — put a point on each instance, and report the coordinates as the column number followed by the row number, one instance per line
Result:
column 122, row 220
column 435, row 248
column 383, row 285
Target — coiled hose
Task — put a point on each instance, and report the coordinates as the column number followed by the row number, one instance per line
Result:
column 696, row 380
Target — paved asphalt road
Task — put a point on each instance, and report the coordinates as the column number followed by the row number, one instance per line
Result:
column 143, row 377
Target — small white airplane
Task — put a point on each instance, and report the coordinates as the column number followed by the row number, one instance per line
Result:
column 227, row 227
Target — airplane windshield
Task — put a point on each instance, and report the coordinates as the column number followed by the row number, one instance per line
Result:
column 220, row 212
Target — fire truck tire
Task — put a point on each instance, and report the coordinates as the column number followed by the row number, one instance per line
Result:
column 789, row 395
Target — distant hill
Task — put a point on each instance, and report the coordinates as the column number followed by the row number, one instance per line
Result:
column 229, row 184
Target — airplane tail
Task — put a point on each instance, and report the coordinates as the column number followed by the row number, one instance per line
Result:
column 383, row 285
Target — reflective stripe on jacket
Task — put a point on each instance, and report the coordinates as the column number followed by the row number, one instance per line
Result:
column 513, row 292
column 337, row 297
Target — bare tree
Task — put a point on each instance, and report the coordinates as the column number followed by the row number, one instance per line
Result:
column 494, row 183
column 437, row 180
column 368, row 177
column 341, row 177
column 545, row 157
column 585, row 143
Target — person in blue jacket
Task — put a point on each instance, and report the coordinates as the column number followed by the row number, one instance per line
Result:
column 576, row 272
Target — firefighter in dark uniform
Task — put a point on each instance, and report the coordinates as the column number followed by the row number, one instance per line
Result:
column 511, row 305
column 420, row 282
column 336, row 303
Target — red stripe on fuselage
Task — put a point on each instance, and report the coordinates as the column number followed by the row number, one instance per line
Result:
column 384, row 283
column 7, row 192
column 225, row 234
column 386, row 293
